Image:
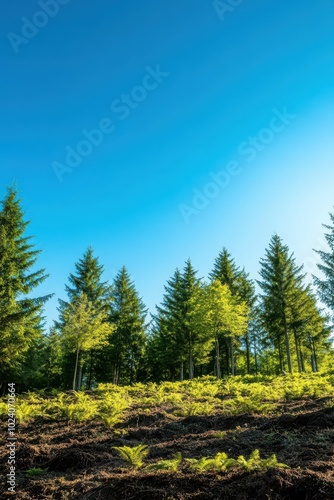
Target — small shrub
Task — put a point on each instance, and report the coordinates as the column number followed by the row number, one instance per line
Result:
column 134, row 455
column 170, row 465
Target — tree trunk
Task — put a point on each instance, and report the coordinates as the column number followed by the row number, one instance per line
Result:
column 75, row 370
column 232, row 358
column 281, row 367
column 79, row 383
column 314, row 358
column 89, row 382
column 255, row 358
column 227, row 354
column 247, row 353
column 287, row 345
column 297, row 351
column 191, row 365
column 181, row 372
column 302, row 359
column 218, row 370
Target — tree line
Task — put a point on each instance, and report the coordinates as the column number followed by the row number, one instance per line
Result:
column 103, row 333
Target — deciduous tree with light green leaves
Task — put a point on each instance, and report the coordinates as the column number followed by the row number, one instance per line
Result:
column 84, row 328
column 224, row 318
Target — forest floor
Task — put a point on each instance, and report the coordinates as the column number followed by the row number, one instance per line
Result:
column 79, row 461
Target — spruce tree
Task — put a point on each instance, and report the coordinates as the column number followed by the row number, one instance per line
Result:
column 325, row 286
column 288, row 308
column 21, row 320
column 167, row 333
column 125, row 352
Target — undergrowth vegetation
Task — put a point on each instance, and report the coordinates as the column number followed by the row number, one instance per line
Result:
column 202, row 396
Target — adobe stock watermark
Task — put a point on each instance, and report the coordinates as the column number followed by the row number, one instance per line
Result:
column 310, row 263
column 225, row 7
column 247, row 149
column 11, row 439
column 31, row 27
column 122, row 107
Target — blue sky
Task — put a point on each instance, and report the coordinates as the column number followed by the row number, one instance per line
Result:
column 223, row 83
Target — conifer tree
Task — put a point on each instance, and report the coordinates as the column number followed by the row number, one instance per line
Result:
column 190, row 329
column 288, row 308
column 168, row 331
column 326, row 285
column 21, row 321
column 127, row 344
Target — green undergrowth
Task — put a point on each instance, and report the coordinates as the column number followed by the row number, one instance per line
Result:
column 205, row 396
column 221, row 462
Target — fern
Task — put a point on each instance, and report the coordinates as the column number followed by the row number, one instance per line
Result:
column 272, row 463
column 134, row 455
column 170, row 465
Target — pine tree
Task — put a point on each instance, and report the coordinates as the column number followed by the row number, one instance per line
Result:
column 190, row 327
column 21, row 321
column 127, row 344
column 168, row 336
column 178, row 331
column 288, row 309
column 326, row 285
column 88, row 280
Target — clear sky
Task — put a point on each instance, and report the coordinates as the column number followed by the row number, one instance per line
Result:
column 217, row 130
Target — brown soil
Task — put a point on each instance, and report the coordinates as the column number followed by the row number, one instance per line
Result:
column 82, row 464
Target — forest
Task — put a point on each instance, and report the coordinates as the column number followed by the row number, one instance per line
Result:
column 226, row 324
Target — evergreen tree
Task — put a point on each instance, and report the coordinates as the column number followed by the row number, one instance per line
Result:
column 125, row 351
column 288, row 309
column 326, row 285
column 21, row 321
column 178, row 332
column 167, row 332
column 190, row 327
column 88, row 280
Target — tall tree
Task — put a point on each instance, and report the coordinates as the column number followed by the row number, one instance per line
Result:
column 241, row 286
column 288, row 308
column 189, row 288
column 168, row 331
column 87, row 279
column 326, row 285
column 225, row 317
column 21, row 320
column 126, row 345
column 85, row 327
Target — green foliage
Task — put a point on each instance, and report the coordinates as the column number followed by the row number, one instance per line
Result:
column 192, row 408
column 36, row 471
column 20, row 314
column 326, row 285
column 169, row 465
column 134, row 455
column 121, row 359
column 221, row 462
column 85, row 328
column 26, row 411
